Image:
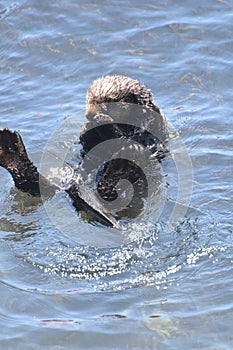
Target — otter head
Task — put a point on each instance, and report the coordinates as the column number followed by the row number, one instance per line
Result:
column 121, row 89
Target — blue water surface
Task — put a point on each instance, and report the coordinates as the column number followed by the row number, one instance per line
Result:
column 143, row 286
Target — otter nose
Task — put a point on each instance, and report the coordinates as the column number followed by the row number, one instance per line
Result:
column 91, row 111
column 90, row 116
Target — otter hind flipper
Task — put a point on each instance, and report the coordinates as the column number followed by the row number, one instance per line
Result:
column 14, row 158
column 84, row 198
column 11, row 148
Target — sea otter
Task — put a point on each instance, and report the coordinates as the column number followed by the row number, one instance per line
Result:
column 117, row 107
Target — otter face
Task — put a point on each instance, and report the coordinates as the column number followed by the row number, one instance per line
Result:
column 119, row 89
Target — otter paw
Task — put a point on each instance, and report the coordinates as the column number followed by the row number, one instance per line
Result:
column 11, row 148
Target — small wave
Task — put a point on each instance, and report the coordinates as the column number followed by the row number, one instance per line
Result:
column 8, row 10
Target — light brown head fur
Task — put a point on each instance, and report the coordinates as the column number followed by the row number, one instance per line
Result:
column 116, row 88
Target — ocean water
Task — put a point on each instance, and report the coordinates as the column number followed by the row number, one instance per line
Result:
column 70, row 283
